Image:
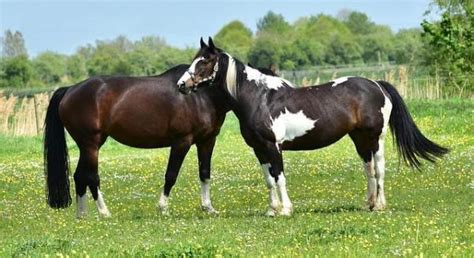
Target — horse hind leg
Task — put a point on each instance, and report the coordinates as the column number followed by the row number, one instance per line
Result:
column 379, row 159
column 366, row 146
column 87, row 175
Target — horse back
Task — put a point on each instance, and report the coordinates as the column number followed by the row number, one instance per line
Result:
column 146, row 112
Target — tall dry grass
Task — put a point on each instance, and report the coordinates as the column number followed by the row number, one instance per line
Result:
column 24, row 116
column 409, row 85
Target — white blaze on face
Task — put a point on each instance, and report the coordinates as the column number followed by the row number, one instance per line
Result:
column 287, row 126
column 191, row 70
column 340, row 80
column 271, row 82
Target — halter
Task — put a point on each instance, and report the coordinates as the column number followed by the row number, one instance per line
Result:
column 212, row 77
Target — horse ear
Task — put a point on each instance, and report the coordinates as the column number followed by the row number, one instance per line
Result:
column 273, row 68
column 203, row 44
column 211, row 44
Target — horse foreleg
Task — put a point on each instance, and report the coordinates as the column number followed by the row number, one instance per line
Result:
column 204, row 155
column 272, row 165
column 177, row 154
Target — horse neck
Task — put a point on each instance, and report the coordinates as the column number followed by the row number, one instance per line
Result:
column 254, row 91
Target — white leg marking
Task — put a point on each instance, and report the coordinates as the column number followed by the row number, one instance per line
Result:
column 379, row 156
column 273, row 200
column 81, row 210
column 101, row 207
column 371, row 183
column 379, row 175
column 163, row 204
column 206, row 197
column 287, row 206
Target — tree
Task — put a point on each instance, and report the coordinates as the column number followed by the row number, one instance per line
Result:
column 76, row 68
column 451, row 43
column 265, row 52
column 378, row 46
column 359, row 23
column 235, row 38
column 13, row 44
column 273, row 23
column 17, row 72
column 50, row 67
column 408, row 46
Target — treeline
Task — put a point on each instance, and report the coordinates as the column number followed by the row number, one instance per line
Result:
column 444, row 47
column 120, row 56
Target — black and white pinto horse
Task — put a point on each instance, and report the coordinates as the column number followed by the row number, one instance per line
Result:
column 275, row 116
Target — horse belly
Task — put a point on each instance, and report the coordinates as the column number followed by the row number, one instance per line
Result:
column 312, row 141
column 141, row 129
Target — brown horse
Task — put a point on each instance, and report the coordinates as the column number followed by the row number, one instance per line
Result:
column 275, row 116
column 143, row 112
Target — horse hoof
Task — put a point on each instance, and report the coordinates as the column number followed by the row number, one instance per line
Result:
column 271, row 213
column 285, row 212
column 105, row 215
column 81, row 215
column 209, row 210
column 378, row 207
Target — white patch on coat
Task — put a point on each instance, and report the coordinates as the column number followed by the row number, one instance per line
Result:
column 271, row 82
column 385, row 110
column 340, row 80
column 81, row 210
column 206, row 204
column 287, row 126
column 287, row 206
column 101, row 207
column 231, row 77
column 163, row 203
column 273, row 200
column 191, row 70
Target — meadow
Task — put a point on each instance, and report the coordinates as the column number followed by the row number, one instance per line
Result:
column 429, row 213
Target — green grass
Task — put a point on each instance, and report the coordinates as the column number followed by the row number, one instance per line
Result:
column 429, row 213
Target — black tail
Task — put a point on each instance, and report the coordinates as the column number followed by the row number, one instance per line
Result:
column 411, row 143
column 56, row 158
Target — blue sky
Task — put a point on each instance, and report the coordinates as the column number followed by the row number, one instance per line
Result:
column 63, row 26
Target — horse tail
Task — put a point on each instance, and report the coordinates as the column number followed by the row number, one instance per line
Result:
column 56, row 158
column 411, row 143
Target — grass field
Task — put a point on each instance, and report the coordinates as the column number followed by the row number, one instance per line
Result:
column 429, row 214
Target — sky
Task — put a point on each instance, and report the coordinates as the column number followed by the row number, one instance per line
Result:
column 63, row 26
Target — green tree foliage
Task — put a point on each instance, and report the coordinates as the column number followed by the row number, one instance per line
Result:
column 309, row 41
column 273, row 23
column 359, row 23
column 408, row 46
column 265, row 52
column 235, row 38
column 76, row 69
column 50, row 67
column 451, row 42
column 17, row 72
